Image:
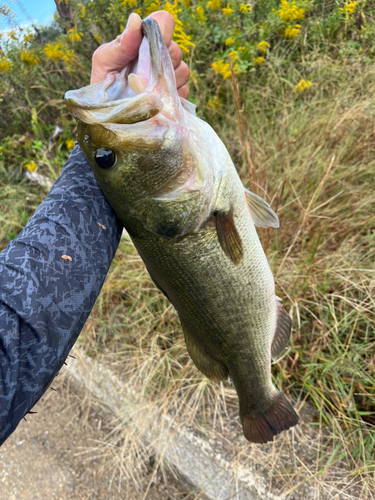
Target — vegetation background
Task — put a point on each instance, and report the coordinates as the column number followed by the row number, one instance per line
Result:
column 289, row 86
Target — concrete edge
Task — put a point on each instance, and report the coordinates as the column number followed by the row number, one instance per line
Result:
column 191, row 456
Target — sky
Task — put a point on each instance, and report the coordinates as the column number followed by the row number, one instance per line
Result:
column 40, row 11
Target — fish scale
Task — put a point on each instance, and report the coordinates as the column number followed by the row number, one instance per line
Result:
column 173, row 185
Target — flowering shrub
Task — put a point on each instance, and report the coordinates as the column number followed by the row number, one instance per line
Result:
column 289, row 11
column 75, row 35
column 263, row 46
column 211, row 32
column 54, row 51
column 29, row 57
column 349, row 8
column 292, row 31
column 5, row 64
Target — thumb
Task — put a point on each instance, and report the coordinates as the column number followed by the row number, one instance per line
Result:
column 113, row 56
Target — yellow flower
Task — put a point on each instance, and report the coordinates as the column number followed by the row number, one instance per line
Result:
column 28, row 37
column 292, row 31
column 153, row 7
column 29, row 57
column 69, row 143
column 245, row 8
column 349, row 8
column 82, row 12
column 258, row 60
column 54, row 51
column 187, row 4
column 68, row 56
column 32, row 166
column 302, row 85
column 69, row 60
column 200, row 11
column 289, row 11
column 227, row 10
column 263, row 46
column 74, row 35
column 214, row 103
column 233, row 54
column 229, row 41
column 13, row 35
column 221, row 68
column 214, row 4
column 183, row 40
column 130, row 3
column 5, row 65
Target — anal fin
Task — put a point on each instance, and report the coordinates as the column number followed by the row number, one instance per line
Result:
column 157, row 284
column 282, row 332
column 210, row 367
column 261, row 212
column 229, row 238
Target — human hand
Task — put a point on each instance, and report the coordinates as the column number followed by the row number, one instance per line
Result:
column 113, row 56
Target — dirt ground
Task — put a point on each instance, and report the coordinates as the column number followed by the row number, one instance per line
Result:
column 48, row 457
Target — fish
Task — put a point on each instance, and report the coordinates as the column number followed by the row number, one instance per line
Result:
column 173, row 185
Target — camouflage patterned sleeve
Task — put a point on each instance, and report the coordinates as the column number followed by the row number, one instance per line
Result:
column 45, row 298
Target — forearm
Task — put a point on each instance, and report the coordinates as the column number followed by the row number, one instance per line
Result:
column 45, row 299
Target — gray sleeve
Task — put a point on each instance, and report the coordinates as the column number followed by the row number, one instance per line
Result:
column 45, row 299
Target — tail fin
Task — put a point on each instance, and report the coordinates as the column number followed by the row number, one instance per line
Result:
column 280, row 416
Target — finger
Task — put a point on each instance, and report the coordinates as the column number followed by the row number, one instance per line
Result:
column 182, row 74
column 113, row 56
column 166, row 24
column 176, row 54
column 184, row 91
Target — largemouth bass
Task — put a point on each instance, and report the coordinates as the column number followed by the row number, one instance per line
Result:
column 173, row 185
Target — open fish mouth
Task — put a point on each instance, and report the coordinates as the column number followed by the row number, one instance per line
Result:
column 144, row 88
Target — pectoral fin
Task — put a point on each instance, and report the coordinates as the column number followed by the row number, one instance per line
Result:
column 229, row 238
column 282, row 332
column 210, row 367
column 261, row 212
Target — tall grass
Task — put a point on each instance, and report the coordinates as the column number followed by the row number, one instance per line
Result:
column 311, row 154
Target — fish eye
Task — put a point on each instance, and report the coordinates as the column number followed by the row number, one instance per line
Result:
column 105, row 158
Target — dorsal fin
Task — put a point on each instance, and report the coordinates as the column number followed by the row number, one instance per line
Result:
column 282, row 332
column 261, row 212
column 229, row 238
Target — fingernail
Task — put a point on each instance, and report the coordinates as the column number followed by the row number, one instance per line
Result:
column 132, row 21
